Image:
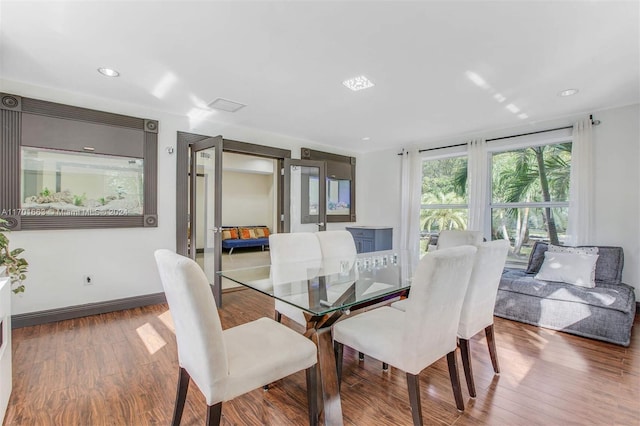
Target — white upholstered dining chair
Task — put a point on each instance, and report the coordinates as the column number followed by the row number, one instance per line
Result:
column 413, row 339
column 225, row 364
column 479, row 301
column 452, row 238
column 291, row 255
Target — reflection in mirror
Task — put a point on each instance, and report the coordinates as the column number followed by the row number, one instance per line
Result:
column 338, row 196
column 59, row 183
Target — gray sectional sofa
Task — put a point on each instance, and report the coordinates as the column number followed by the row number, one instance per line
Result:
column 605, row 312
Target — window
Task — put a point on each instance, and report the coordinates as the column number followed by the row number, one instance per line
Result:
column 64, row 167
column 530, row 196
column 444, row 202
column 56, row 183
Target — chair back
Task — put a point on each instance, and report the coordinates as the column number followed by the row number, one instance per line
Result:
column 336, row 247
column 201, row 348
column 295, row 257
column 480, row 300
column 453, row 238
column 336, row 244
column 433, row 310
column 294, row 247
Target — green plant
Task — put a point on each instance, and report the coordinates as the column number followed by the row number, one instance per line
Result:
column 45, row 192
column 16, row 265
column 78, row 200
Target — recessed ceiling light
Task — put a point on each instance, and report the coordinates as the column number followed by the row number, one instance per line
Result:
column 109, row 72
column 366, row 138
column 568, row 92
column 358, row 83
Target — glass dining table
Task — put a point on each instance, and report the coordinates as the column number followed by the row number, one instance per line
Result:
column 324, row 290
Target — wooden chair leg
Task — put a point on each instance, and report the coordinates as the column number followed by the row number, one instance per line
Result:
column 312, row 395
column 465, row 351
column 181, row 396
column 214, row 413
column 338, row 349
column 455, row 379
column 491, row 343
column 413, row 384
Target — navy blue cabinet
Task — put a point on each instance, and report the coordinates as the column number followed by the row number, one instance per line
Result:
column 371, row 238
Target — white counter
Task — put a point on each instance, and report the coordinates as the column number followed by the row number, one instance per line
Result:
column 5, row 345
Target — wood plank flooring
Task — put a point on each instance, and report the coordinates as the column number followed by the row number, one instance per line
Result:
column 121, row 369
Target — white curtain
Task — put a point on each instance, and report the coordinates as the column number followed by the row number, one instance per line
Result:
column 411, row 185
column 477, row 170
column 580, row 226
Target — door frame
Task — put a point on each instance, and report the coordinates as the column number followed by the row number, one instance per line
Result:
column 183, row 144
column 216, row 144
column 321, row 222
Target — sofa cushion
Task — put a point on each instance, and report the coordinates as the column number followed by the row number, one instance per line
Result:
column 229, row 233
column 619, row 297
column 608, row 267
column 571, row 268
column 246, row 233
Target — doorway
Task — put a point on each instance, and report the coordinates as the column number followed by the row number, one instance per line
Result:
column 189, row 206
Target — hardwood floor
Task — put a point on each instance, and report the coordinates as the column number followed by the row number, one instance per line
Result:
column 121, row 369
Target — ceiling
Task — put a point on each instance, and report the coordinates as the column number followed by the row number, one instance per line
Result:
column 439, row 67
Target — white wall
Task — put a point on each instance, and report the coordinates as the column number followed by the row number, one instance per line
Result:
column 617, row 189
column 120, row 260
column 248, row 199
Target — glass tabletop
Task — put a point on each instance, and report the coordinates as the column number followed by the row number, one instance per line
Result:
column 331, row 284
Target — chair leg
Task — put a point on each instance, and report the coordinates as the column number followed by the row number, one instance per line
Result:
column 181, row 396
column 214, row 413
column 312, row 394
column 466, row 366
column 413, row 384
column 455, row 379
column 338, row 349
column 491, row 342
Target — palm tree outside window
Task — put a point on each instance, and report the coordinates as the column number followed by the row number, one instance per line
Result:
column 444, row 199
column 530, row 196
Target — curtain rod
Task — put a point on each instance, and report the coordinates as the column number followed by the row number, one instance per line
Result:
column 593, row 122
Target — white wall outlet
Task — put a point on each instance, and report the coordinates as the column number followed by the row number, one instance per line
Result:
column 87, row 280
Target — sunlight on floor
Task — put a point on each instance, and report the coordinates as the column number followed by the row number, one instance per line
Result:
column 150, row 337
column 167, row 320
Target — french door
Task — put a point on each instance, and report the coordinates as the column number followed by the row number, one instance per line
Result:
column 205, row 209
column 304, row 195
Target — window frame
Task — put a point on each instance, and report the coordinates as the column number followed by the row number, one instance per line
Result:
column 12, row 108
column 530, row 141
column 450, row 153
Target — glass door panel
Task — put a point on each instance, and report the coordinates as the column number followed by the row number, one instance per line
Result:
column 305, row 199
column 205, row 209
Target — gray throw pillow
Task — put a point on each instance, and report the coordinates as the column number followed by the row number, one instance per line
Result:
column 536, row 257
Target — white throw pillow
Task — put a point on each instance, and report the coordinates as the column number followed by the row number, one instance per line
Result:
column 571, row 268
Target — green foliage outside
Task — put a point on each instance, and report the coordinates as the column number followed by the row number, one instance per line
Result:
column 535, row 174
